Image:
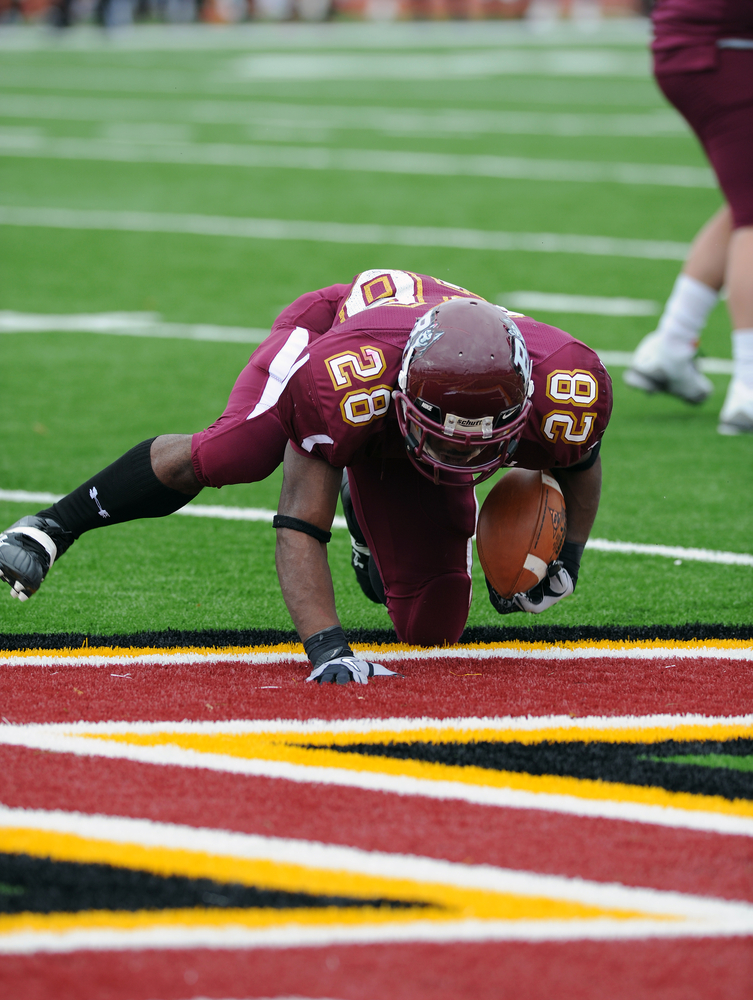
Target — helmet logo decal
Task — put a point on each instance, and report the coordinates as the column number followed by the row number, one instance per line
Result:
column 520, row 359
column 423, row 334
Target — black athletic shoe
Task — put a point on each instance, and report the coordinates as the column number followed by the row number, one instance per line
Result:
column 360, row 557
column 27, row 550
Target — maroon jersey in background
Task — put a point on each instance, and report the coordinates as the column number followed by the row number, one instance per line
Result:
column 686, row 32
column 337, row 405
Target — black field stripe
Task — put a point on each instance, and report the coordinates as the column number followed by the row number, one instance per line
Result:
column 272, row 637
column 627, row 763
column 40, row 885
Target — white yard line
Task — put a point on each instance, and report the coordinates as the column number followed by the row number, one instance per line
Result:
column 222, row 512
column 325, row 158
column 82, row 657
column 137, row 324
column 712, row 366
column 294, row 935
column 280, row 116
column 339, row 232
column 533, row 302
column 127, row 324
column 458, row 64
column 403, row 724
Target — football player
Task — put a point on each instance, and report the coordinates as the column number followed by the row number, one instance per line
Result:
column 418, row 388
column 703, row 62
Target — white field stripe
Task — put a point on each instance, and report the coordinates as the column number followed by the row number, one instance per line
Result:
column 301, row 936
column 671, row 552
column 260, row 514
column 340, row 232
column 573, row 62
column 735, row 916
column 400, row 724
column 217, row 511
column 129, row 325
column 712, row 366
column 583, row 304
column 41, row 738
column 239, row 513
column 150, row 325
column 370, row 160
column 83, row 657
column 279, row 116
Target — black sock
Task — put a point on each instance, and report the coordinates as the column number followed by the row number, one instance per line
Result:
column 124, row 491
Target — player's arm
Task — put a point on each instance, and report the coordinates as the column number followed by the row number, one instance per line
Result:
column 309, row 493
column 581, row 488
column 310, row 488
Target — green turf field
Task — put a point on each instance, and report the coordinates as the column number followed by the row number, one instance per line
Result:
column 152, row 123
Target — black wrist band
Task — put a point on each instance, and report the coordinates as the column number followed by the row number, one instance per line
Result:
column 296, row 524
column 570, row 557
column 326, row 645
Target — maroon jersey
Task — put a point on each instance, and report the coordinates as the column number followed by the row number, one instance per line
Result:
column 687, row 32
column 346, row 350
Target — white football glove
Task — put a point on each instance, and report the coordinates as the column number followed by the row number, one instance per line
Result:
column 556, row 584
column 344, row 669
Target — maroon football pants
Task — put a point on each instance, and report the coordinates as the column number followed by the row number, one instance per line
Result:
column 418, row 533
column 420, row 537
column 718, row 105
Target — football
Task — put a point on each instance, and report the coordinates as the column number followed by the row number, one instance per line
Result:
column 520, row 530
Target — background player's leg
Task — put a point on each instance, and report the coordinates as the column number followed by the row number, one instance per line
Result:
column 663, row 361
column 419, row 536
column 737, row 413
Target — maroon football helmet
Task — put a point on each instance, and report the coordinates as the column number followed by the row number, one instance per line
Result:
column 464, row 390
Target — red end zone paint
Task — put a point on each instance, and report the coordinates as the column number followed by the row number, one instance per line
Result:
column 635, row 970
column 529, row 840
column 437, row 688
column 526, row 840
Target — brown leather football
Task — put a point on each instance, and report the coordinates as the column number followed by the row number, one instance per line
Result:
column 520, row 530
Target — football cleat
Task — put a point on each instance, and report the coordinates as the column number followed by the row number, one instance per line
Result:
column 654, row 369
column 360, row 556
column 737, row 413
column 27, row 551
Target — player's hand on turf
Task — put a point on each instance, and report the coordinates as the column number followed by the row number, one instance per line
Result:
column 556, row 584
column 344, row 669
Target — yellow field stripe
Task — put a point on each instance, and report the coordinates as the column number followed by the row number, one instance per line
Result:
column 431, row 901
column 86, row 651
column 287, row 748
